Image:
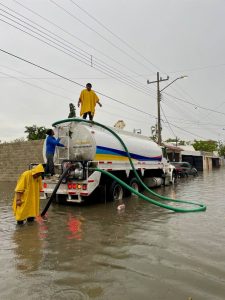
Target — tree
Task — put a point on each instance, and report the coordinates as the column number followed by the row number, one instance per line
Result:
column 177, row 141
column 221, row 149
column 35, row 132
column 207, row 146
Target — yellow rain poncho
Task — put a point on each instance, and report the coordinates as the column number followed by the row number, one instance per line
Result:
column 88, row 102
column 30, row 188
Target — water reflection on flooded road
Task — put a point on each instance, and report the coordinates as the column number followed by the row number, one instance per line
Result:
column 96, row 252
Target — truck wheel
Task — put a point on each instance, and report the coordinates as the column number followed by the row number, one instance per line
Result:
column 135, row 185
column 115, row 191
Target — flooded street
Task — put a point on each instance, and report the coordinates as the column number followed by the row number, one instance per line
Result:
column 96, row 252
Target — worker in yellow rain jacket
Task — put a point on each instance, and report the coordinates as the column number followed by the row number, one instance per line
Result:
column 26, row 202
column 88, row 100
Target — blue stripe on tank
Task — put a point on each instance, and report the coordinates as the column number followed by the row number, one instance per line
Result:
column 111, row 151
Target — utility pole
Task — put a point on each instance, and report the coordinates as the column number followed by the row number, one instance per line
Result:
column 158, row 105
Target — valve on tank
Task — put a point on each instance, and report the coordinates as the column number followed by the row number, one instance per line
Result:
column 76, row 171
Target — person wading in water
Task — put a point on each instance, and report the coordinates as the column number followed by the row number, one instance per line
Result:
column 26, row 202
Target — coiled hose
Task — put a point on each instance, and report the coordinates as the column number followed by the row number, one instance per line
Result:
column 200, row 206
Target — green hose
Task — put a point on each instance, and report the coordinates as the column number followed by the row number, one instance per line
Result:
column 176, row 209
column 201, row 207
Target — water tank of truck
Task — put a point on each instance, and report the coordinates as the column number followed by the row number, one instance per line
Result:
column 91, row 142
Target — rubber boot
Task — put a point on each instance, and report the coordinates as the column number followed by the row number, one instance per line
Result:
column 20, row 222
column 30, row 219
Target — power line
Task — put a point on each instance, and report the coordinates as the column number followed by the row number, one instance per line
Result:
column 167, row 121
column 34, row 85
column 61, row 96
column 182, row 129
column 88, row 56
column 115, row 35
column 90, row 28
column 72, row 81
column 193, row 104
column 101, row 69
column 55, row 78
column 176, row 126
column 58, row 95
column 87, row 61
column 111, row 98
column 198, row 68
column 115, row 74
column 122, row 115
column 77, row 38
column 196, row 105
column 100, row 23
column 37, row 78
column 180, row 109
column 189, row 122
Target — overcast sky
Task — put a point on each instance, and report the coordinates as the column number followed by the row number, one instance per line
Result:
column 117, row 46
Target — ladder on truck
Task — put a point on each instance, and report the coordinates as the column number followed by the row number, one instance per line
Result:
column 66, row 138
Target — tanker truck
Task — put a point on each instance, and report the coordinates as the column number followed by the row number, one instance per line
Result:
column 90, row 146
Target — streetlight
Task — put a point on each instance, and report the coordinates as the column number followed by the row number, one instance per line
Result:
column 181, row 77
column 158, row 99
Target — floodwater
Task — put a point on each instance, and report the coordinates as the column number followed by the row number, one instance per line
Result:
column 97, row 252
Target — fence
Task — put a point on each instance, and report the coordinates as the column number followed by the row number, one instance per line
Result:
column 16, row 157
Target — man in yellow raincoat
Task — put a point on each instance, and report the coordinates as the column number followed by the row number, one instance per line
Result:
column 26, row 202
column 88, row 100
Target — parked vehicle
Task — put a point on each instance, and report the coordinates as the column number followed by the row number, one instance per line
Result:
column 183, row 169
column 90, row 146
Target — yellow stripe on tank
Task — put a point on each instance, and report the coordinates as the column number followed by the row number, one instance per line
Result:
column 111, row 157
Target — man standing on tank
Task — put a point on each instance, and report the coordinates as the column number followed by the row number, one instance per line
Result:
column 51, row 143
column 88, row 100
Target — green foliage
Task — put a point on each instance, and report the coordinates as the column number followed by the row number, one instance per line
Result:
column 221, row 149
column 207, row 146
column 35, row 132
column 171, row 140
column 154, row 138
column 177, row 141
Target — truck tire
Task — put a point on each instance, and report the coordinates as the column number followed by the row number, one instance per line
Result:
column 116, row 191
column 135, row 185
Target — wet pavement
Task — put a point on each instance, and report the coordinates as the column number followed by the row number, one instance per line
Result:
column 98, row 252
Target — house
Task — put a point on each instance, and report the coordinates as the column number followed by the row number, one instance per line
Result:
column 173, row 152
column 195, row 158
column 199, row 159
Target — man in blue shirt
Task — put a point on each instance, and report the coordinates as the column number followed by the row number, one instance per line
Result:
column 51, row 143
